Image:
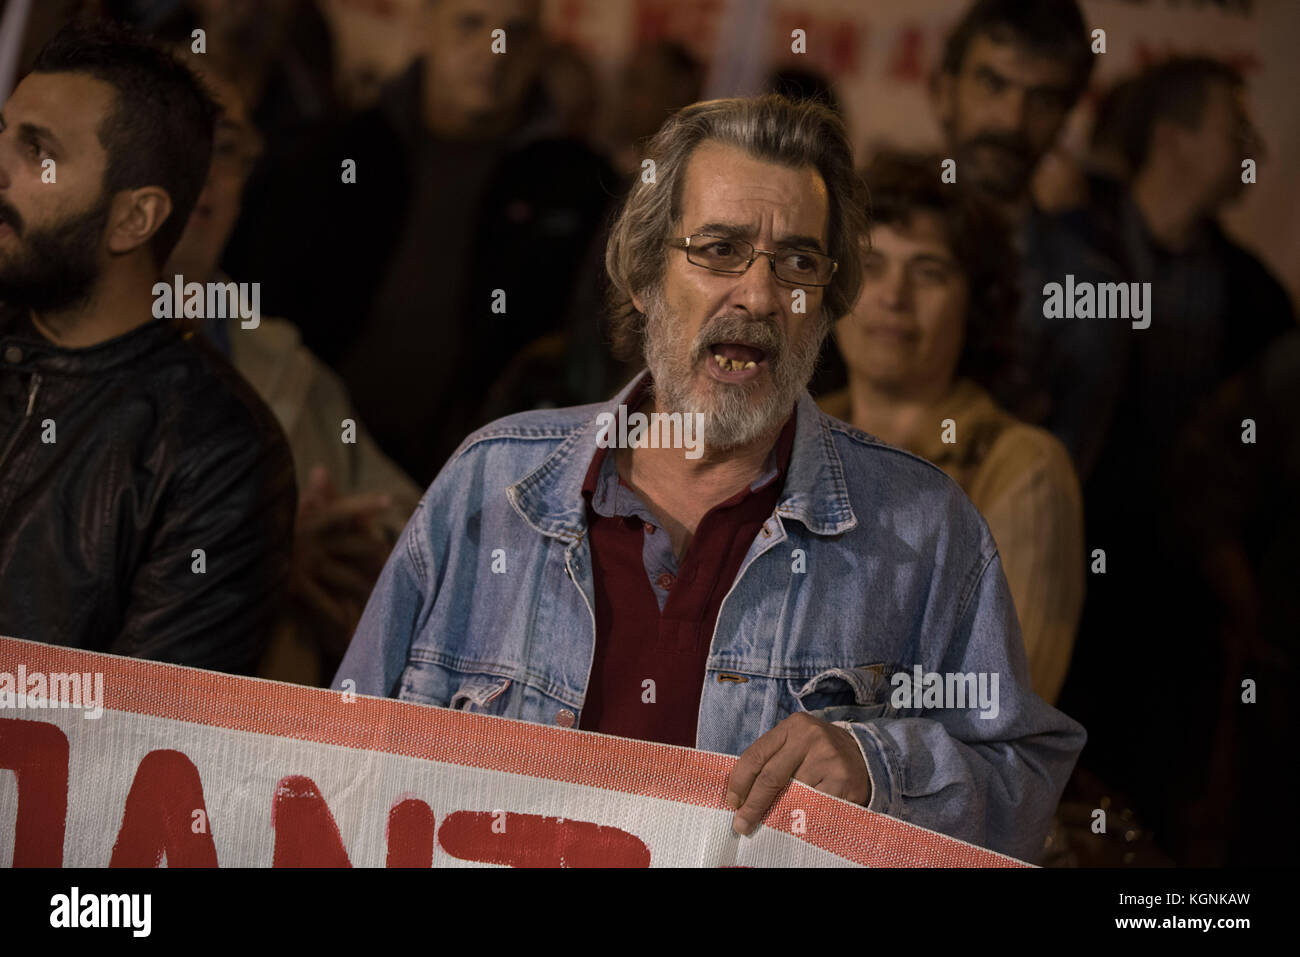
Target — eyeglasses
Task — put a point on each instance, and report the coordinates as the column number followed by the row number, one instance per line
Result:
column 798, row 266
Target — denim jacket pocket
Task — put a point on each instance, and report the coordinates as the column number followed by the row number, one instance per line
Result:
column 843, row 694
column 428, row 682
column 477, row 692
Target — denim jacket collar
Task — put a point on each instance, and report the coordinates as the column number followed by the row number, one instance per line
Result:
column 550, row 497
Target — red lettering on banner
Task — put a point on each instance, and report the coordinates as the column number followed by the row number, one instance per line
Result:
column 410, row 834
column 305, row 832
column 531, row 840
column 159, row 816
column 37, row 753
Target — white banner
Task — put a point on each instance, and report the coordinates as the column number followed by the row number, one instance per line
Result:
column 110, row 761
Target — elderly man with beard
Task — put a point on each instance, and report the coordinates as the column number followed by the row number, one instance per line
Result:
column 146, row 494
column 759, row 600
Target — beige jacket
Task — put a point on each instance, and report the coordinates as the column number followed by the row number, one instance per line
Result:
column 1022, row 481
column 310, row 402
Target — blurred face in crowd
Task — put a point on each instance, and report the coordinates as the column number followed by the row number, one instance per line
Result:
column 466, row 79
column 52, row 234
column 1206, row 160
column 571, row 87
column 906, row 331
column 236, row 146
column 697, row 314
column 651, row 89
column 1001, row 112
column 253, row 27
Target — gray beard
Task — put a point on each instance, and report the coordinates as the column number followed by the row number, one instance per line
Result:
column 734, row 415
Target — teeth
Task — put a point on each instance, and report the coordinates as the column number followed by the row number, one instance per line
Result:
column 731, row 365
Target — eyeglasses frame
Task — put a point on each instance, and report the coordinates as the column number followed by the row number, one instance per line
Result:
column 684, row 242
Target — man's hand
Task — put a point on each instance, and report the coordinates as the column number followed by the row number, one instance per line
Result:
column 808, row 749
column 337, row 556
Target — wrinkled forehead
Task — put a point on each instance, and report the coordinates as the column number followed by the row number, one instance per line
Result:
column 725, row 184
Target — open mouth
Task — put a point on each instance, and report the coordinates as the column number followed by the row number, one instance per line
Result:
column 735, row 361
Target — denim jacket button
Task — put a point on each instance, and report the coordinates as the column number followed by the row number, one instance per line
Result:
column 565, row 718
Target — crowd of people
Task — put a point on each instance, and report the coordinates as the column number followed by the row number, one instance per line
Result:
column 390, row 477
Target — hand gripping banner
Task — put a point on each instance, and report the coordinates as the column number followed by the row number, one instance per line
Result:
column 118, row 762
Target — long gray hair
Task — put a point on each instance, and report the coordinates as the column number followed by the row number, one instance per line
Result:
column 772, row 128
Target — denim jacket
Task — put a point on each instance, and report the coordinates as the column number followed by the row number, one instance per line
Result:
column 873, row 564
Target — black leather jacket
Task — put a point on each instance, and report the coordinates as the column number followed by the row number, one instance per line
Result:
column 118, row 463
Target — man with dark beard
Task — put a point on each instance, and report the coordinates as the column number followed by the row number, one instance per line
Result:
column 1011, row 72
column 146, row 494
column 759, row 599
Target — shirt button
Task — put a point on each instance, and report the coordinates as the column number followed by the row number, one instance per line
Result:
column 665, row 581
column 13, row 354
column 565, row 718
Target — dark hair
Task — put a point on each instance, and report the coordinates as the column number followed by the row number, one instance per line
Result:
column 1112, row 122
column 682, row 63
column 1051, row 28
column 802, row 84
column 161, row 128
column 904, row 184
column 1176, row 90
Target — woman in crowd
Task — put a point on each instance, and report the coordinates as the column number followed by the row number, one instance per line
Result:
column 931, row 336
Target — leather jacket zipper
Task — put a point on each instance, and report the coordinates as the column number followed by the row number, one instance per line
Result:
column 22, row 423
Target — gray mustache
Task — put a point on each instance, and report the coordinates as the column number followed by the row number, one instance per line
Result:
column 762, row 335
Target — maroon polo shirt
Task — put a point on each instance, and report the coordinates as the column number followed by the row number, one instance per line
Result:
column 655, row 620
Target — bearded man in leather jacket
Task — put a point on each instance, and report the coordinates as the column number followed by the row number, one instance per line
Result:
column 146, row 494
